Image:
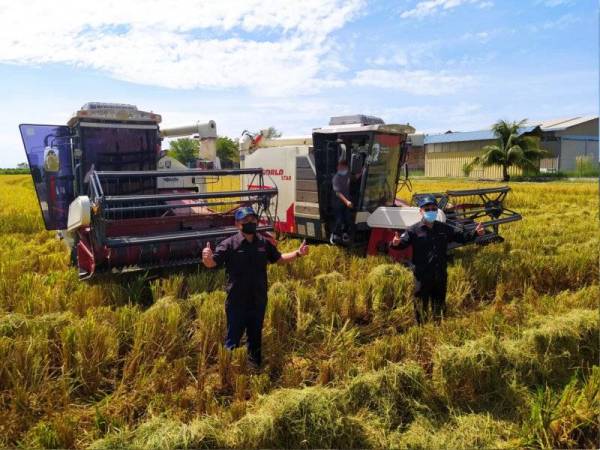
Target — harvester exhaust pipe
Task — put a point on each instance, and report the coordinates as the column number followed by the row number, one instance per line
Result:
column 206, row 132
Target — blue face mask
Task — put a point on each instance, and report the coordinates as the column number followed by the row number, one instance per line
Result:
column 430, row 216
column 343, row 172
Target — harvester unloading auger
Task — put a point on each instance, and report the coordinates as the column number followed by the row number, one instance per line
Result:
column 98, row 184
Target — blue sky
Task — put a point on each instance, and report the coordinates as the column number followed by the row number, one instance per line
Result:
column 250, row 64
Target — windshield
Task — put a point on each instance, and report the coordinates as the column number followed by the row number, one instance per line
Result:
column 113, row 148
column 119, row 148
column 382, row 163
column 48, row 149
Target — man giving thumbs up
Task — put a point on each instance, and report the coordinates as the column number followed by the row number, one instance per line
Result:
column 245, row 256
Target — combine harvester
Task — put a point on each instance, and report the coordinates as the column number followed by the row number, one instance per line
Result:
column 101, row 183
column 304, row 167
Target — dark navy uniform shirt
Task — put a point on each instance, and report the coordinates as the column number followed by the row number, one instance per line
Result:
column 246, row 264
column 430, row 246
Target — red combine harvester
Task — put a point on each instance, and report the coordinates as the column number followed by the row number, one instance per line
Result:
column 99, row 185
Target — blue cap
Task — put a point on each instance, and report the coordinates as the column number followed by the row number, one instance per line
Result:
column 426, row 200
column 243, row 212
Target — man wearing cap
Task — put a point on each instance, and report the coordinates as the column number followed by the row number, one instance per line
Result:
column 245, row 256
column 429, row 239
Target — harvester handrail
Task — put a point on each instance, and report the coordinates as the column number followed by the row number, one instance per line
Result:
column 124, row 241
column 174, row 206
column 479, row 191
column 201, row 195
column 178, row 173
column 96, row 186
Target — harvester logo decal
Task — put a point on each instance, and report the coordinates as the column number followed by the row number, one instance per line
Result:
column 277, row 172
column 273, row 172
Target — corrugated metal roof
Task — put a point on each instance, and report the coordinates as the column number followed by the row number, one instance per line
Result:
column 463, row 136
column 386, row 128
column 484, row 135
column 561, row 124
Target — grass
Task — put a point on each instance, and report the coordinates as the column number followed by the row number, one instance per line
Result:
column 133, row 363
column 13, row 171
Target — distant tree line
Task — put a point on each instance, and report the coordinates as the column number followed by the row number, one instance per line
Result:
column 21, row 168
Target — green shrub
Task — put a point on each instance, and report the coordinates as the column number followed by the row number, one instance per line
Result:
column 585, row 166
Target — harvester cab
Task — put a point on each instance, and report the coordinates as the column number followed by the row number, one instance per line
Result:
column 100, row 184
column 303, row 169
column 376, row 152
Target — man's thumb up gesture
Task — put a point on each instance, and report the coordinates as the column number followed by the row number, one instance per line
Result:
column 207, row 255
column 303, row 250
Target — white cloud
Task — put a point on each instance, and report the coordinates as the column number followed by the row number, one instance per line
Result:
column 482, row 36
column 416, row 82
column 553, row 3
column 163, row 44
column 438, row 118
column 431, row 7
column 560, row 23
column 393, row 58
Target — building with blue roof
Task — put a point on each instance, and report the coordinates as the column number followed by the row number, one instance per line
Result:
column 567, row 141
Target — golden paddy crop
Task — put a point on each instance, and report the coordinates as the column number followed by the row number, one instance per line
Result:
column 138, row 363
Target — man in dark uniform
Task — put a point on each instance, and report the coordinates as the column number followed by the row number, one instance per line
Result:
column 429, row 239
column 245, row 256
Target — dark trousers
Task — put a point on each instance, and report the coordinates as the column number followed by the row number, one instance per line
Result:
column 343, row 218
column 246, row 315
column 430, row 293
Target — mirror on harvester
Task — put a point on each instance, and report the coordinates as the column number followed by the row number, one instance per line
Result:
column 51, row 161
column 356, row 163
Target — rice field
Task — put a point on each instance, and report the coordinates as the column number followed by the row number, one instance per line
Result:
column 139, row 363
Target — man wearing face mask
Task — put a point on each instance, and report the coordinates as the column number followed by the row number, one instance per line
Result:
column 245, row 256
column 429, row 239
column 342, row 206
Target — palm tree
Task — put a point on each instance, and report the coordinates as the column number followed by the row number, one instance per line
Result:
column 511, row 149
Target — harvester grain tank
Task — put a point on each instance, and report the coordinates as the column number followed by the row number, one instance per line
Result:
column 99, row 185
column 303, row 169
